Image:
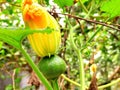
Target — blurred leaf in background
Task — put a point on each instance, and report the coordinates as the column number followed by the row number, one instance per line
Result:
column 111, row 7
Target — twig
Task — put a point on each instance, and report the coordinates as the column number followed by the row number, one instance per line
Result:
column 13, row 79
column 82, row 28
column 117, row 69
column 10, row 4
column 118, row 25
column 5, row 68
column 15, row 5
column 12, row 75
column 92, row 21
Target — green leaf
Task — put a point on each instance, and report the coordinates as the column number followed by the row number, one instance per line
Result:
column 111, row 7
column 14, row 37
column 1, row 43
column 9, row 87
column 9, row 0
column 84, row 1
column 19, row 1
column 47, row 1
column 63, row 3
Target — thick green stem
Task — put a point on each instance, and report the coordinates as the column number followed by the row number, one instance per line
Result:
column 81, row 63
column 78, row 52
column 36, row 70
column 81, row 68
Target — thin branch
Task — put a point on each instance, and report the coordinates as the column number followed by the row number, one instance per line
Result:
column 15, row 5
column 92, row 21
column 10, row 4
column 118, row 25
column 13, row 79
column 117, row 69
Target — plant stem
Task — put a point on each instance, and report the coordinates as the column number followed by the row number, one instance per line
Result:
column 109, row 84
column 83, row 6
column 99, row 87
column 92, row 37
column 71, row 81
column 81, row 63
column 36, row 70
column 13, row 78
column 81, row 68
column 54, row 84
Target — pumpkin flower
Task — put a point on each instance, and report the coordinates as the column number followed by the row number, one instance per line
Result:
column 37, row 18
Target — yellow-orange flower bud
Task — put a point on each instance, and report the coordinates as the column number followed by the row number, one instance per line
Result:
column 36, row 17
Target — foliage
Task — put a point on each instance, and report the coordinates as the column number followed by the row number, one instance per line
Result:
column 15, row 37
column 99, row 44
column 63, row 3
column 111, row 7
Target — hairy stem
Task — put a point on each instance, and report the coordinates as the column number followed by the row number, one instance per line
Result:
column 36, row 70
column 81, row 64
